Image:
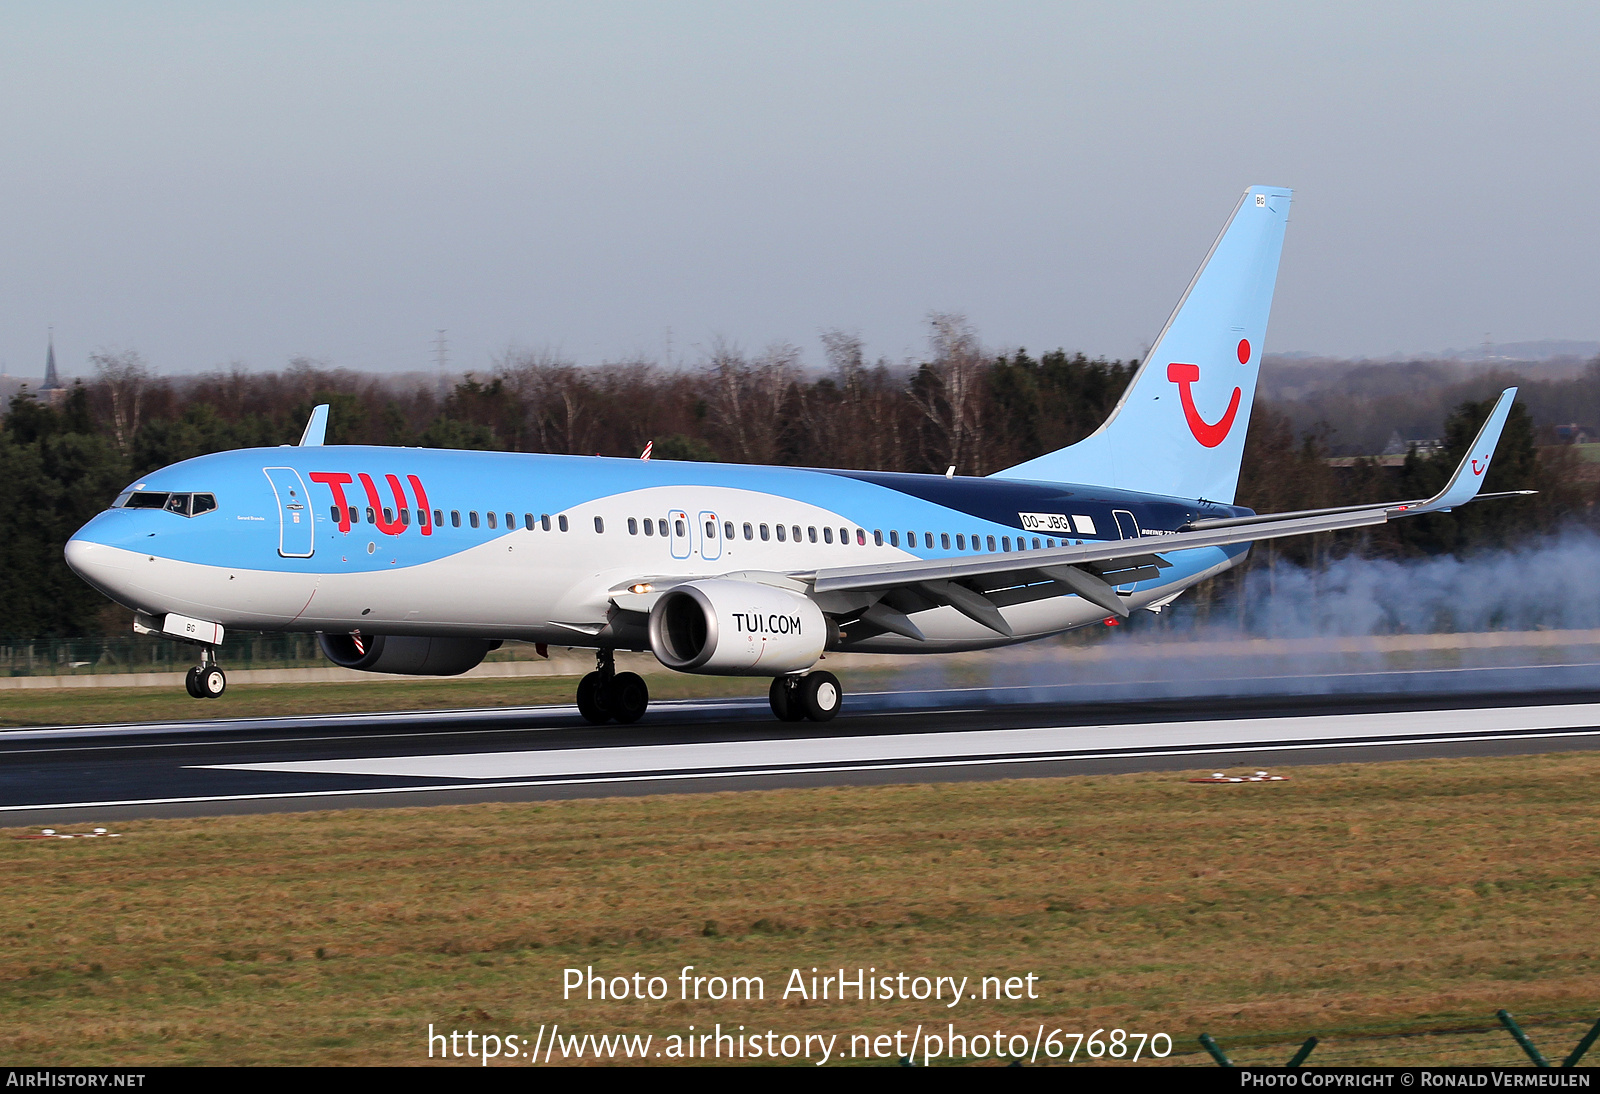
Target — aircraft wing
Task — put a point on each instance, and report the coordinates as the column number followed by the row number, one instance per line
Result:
column 888, row 592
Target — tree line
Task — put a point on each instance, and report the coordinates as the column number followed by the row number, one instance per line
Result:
column 61, row 462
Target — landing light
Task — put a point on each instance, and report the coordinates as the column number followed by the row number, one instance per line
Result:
column 642, row 587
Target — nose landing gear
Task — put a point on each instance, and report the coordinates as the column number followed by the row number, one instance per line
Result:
column 206, row 680
column 816, row 695
column 606, row 694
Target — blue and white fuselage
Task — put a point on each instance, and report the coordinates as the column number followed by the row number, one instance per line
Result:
column 540, row 548
column 409, row 560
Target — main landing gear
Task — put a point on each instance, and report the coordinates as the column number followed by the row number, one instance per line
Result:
column 816, row 695
column 606, row 694
column 206, row 680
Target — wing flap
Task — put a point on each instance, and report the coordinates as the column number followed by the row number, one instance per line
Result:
column 1126, row 560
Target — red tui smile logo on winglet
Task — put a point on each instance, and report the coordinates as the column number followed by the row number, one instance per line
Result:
column 1205, row 432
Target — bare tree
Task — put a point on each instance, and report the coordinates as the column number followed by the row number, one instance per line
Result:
column 949, row 392
column 556, row 395
column 124, row 376
column 747, row 401
column 852, row 417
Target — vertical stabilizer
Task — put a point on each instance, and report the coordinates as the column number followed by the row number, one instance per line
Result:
column 1179, row 429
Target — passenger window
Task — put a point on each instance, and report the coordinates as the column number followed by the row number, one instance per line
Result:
column 562, row 521
column 333, row 513
column 929, row 539
column 991, row 543
column 678, row 526
column 827, row 535
column 372, row 517
column 599, row 525
column 1005, row 543
column 1035, row 543
column 438, row 517
column 455, row 518
column 811, row 533
column 492, row 520
column 422, row 518
column 877, row 537
column 783, row 534
column 405, row 518
column 961, row 542
column 844, row 537
column 794, row 530
column 765, row 535
column 472, row 518
column 861, row 537
column 544, row 521
column 749, row 532
column 1050, row 543
column 633, row 525
column 511, row 520
column 894, row 538
column 527, row 521
column 661, row 526
column 649, row 527
column 711, row 529
column 944, row 540
column 355, row 515
column 727, row 529
column 388, row 515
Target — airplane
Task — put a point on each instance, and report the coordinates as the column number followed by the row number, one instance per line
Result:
column 419, row 561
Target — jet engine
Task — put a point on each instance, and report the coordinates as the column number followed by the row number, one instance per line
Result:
column 405, row 655
column 736, row 628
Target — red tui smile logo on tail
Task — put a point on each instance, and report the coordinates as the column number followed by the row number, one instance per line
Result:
column 1205, row 432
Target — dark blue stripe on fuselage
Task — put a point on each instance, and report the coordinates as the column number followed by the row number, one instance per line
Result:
column 1001, row 500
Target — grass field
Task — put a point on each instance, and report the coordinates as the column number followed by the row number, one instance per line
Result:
column 1389, row 909
column 85, row 706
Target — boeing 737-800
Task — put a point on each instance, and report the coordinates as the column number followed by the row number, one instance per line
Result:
column 417, row 561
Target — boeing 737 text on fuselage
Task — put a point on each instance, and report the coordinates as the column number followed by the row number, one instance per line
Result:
column 418, row 561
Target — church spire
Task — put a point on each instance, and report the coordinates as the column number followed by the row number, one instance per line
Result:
column 52, row 382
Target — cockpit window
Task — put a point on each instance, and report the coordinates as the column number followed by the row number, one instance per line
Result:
column 185, row 505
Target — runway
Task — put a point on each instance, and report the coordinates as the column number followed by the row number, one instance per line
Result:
column 103, row 773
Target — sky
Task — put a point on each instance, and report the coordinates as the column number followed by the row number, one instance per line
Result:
column 218, row 185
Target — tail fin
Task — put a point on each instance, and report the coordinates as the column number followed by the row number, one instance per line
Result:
column 1179, row 428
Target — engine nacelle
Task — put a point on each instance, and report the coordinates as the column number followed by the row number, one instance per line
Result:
column 405, row 655
column 736, row 628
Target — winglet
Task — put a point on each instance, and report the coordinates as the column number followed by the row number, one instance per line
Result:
column 1463, row 485
column 316, row 428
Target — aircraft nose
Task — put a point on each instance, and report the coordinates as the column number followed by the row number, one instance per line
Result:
column 104, row 567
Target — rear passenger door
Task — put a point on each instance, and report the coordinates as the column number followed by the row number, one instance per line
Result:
column 1127, row 528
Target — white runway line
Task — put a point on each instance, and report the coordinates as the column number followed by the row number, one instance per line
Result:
column 924, row 747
